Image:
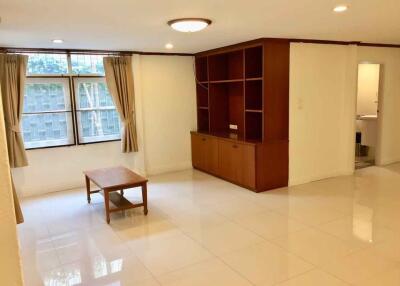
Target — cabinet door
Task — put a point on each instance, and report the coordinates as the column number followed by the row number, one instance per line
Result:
column 237, row 163
column 227, row 161
column 246, row 174
column 210, row 155
column 197, row 151
column 205, row 153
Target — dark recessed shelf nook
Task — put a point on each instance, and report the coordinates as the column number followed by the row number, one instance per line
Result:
column 254, row 95
column 254, row 62
column 202, row 94
column 226, row 66
column 201, row 69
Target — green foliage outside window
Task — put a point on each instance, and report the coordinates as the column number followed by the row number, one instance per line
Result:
column 47, row 64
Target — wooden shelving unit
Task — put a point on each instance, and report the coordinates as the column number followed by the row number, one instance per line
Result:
column 242, row 97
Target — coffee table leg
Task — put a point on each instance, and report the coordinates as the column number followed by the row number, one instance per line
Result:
column 144, row 195
column 107, row 205
column 87, row 189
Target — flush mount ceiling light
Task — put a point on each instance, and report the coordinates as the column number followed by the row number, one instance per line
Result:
column 340, row 8
column 57, row 41
column 189, row 25
column 169, row 46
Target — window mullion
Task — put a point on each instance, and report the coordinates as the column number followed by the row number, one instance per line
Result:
column 69, row 62
column 73, row 106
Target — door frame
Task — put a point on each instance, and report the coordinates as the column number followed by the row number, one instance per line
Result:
column 378, row 148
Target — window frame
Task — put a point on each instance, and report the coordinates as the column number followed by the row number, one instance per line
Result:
column 76, row 110
column 72, row 96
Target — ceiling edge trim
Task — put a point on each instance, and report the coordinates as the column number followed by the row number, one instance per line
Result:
column 295, row 40
column 85, row 51
column 255, row 41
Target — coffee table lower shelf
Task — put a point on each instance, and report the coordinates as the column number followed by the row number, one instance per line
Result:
column 121, row 203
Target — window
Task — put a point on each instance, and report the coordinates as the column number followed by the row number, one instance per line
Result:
column 87, row 64
column 49, row 64
column 97, row 117
column 47, row 114
column 55, row 114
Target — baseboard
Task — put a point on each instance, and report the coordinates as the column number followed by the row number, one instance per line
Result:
column 169, row 168
column 388, row 162
column 35, row 192
column 308, row 179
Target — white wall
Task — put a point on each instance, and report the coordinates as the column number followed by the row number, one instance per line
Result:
column 322, row 111
column 389, row 101
column 169, row 111
column 165, row 114
column 10, row 265
column 367, row 89
column 323, row 89
column 56, row 169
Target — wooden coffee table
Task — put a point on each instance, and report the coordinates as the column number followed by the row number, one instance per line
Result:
column 111, row 180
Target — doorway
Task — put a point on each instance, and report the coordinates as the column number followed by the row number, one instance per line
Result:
column 367, row 114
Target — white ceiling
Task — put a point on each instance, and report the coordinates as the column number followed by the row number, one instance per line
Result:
column 141, row 24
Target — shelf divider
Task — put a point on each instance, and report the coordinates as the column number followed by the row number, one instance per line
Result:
column 227, row 80
column 254, row 110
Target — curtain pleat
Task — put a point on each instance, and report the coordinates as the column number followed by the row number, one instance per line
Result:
column 119, row 78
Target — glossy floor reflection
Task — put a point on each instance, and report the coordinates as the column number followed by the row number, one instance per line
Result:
column 204, row 231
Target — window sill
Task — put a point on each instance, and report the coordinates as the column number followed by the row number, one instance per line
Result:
column 71, row 145
column 95, row 142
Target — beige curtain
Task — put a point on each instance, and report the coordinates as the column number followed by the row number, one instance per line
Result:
column 119, row 79
column 12, row 81
column 18, row 212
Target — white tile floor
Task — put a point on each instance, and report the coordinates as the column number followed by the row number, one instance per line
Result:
column 204, row 231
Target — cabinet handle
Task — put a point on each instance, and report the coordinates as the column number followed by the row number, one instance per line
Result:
column 234, row 146
column 203, row 139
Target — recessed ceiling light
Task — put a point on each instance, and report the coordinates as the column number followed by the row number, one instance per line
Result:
column 189, row 24
column 169, row 46
column 58, row 41
column 340, row 8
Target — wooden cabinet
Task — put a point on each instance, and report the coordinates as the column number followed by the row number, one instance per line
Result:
column 227, row 160
column 237, row 162
column 246, row 170
column 205, row 153
column 243, row 104
column 233, row 161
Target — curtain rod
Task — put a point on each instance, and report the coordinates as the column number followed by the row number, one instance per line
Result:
column 83, row 51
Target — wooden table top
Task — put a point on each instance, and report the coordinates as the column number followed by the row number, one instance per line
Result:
column 114, row 177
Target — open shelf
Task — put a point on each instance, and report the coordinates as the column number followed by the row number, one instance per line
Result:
column 227, row 107
column 253, row 60
column 254, row 126
column 253, row 94
column 203, row 120
column 226, row 66
column 201, row 69
column 202, row 94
